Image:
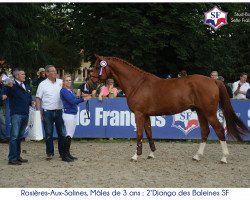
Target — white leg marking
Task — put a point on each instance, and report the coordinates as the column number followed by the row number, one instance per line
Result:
column 223, row 159
column 201, row 148
column 225, row 151
column 134, row 158
column 200, row 151
column 151, row 155
column 224, row 148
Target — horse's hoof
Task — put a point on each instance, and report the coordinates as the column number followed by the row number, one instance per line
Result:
column 223, row 160
column 196, row 158
column 133, row 160
column 151, row 156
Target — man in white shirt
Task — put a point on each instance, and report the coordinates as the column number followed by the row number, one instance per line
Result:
column 240, row 87
column 48, row 96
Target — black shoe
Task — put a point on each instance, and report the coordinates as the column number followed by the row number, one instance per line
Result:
column 4, row 141
column 49, row 157
column 22, row 160
column 67, row 159
column 14, row 162
column 72, row 157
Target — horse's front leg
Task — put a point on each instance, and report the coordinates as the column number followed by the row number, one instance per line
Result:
column 148, row 129
column 139, row 120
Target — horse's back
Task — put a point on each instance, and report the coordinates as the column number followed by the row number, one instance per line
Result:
column 170, row 96
column 193, row 88
column 195, row 84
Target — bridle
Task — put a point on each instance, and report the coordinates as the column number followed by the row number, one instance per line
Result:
column 94, row 83
column 97, row 77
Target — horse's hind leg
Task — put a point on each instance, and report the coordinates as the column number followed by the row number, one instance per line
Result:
column 148, row 130
column 204, row 134
column 139, row 120
column 220, row 133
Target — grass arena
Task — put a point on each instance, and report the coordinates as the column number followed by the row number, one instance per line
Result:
column 106, row 163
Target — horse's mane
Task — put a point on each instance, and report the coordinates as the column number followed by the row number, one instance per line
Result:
column 129, row 64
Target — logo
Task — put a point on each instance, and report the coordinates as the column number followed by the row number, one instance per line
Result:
column 186, row 121
column 215, row 18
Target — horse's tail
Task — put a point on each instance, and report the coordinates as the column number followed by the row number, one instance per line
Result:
column 235, row 127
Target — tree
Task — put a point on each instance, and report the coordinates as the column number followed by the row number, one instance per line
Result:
column 20, row 32
column 60, row 49
column 162, row 38
column 33, row 36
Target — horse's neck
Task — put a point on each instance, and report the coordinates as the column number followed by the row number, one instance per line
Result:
column 127, row 77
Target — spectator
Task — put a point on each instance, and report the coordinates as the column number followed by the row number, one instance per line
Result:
column 168, row 77
column 248, row 94
column 70, row 102
column 20, row 100
column 3, row 136
column 229, row 90
column 2, row 61
column 48, row 97
column 41, row 76
column 240, row 87
column 98, row 89
column 120, row 93
column 214, row 75
column 85, row 89
column 109, row 90
column 182, row 73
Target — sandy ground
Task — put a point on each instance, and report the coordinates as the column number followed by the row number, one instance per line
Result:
column 107, row 164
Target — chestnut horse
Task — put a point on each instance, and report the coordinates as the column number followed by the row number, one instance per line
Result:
column 148, row 95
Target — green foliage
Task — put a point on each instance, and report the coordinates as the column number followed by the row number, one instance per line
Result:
column 161, row 38
column 32, row 36
column 20, row 32
column 60, row 55
column 60, row 49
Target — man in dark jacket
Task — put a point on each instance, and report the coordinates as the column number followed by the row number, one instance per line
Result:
column 3, row 97
column 229, row 90
column 20, row 99
column 248, row 94
column 85, row 89
column 40, row 77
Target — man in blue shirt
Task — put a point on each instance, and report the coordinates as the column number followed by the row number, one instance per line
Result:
column 20, row 99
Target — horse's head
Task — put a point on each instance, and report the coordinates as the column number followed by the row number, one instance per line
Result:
column 101, row 70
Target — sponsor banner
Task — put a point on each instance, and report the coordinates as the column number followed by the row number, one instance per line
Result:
column 111, row 118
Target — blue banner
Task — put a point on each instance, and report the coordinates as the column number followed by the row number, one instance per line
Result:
column 111, row 118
